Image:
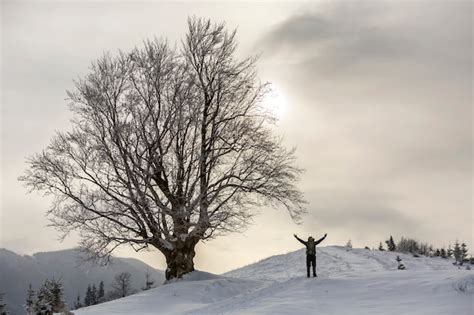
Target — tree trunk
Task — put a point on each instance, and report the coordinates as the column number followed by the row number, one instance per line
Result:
column 179, row 261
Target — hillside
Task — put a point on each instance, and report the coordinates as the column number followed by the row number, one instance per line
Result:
column 17, row 271
column 336, row 261
column 358, row 281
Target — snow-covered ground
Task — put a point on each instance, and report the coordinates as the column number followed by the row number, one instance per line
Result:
column 356, row 281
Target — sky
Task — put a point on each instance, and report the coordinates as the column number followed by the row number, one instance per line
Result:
column 375, row 96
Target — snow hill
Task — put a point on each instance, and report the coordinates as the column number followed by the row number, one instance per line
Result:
column 356, row 281
column 16, row 272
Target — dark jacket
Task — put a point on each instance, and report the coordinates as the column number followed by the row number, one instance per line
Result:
column 311, row 246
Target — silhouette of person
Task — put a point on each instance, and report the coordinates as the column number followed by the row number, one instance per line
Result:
column 311, row 252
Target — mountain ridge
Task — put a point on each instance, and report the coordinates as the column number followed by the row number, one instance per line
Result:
column 17, row 271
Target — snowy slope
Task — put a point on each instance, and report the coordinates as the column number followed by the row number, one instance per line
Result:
column 17, row 271
column 336, row 261
column 358, row 281
column 196, row 291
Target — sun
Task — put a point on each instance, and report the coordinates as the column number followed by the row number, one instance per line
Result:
column 275, row 103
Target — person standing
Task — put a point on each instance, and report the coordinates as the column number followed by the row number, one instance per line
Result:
column 311, row 252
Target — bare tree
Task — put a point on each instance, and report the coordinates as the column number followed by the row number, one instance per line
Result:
column 121, row 286
column 168, row 147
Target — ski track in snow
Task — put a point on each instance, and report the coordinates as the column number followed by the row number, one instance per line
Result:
column 350, row 281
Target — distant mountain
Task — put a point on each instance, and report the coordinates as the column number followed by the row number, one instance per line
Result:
column 17, row 272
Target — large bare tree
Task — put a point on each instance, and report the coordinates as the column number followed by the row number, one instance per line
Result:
column 168, row 147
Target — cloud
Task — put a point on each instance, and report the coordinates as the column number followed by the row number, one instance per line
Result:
column 357, row 211
column 381, row 105
column 397, row 75
column 413, row 51
column 340, row 35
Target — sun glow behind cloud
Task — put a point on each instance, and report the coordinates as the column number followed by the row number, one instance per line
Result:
column 276, row 103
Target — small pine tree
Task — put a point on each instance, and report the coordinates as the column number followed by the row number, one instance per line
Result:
column 463, row 252
column 55, row 295
column 42, row 305
column 88, row 297
column 443, row 253
column 400, row 265
column 449, row 252
column 391, row 244
column 381, row 247
column 457, row 253
column 30, row 301
column 430, row 251
column 93, row 295
column 349, row 244
column 78, row 303
column 437, row 253
column 101, row 293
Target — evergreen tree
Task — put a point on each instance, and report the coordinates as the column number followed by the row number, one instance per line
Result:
column 42, row 305
column 457, row 253
column 3, row 305
column 443, row 253
column 93, row 295
column 30, row 300
column 349, row 244
column 101, row 293
column 78, row 303
column 52, row 297
column 88, row 297
column 437, row 253
column 57, row 290
column 450, row 251
column 391, row 244
column 381, row 247
column 430, row 250
column 400, row 265
column 463, row 252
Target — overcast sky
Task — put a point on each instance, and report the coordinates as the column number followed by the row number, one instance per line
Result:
column 376, row 97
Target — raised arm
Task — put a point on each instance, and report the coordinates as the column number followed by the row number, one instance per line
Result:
column 299, row 239
column 321, row 239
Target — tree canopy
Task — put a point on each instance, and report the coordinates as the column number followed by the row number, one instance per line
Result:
column 168, row 146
